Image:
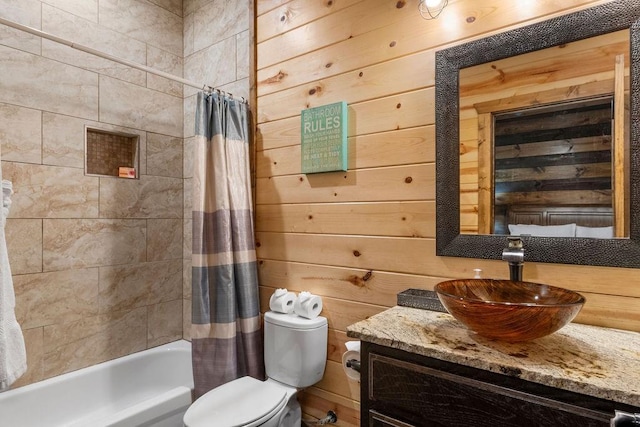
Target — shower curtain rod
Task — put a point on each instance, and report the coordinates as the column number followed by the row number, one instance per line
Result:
column 128, row 63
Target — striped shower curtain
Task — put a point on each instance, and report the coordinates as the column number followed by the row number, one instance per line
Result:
column 226, row 331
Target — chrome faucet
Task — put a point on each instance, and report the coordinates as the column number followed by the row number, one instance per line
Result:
column 514, row 255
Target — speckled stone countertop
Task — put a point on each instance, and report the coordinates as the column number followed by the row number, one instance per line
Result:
column 595, row 361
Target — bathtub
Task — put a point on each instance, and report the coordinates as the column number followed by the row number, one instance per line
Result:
column 149, row 388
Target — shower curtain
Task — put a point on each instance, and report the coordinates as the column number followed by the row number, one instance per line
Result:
column 226, row 334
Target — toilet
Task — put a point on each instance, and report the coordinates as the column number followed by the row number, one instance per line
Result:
column 295, row 355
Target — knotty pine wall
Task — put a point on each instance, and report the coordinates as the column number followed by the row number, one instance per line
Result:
column 357, row 238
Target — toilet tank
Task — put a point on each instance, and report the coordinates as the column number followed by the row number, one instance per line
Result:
column 295, row 348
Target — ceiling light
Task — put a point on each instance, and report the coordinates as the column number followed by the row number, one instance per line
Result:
column 430, row 9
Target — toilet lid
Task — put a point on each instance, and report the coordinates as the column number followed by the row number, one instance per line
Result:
column 242, row 402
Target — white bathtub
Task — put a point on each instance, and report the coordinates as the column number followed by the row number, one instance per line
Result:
column 149, row 388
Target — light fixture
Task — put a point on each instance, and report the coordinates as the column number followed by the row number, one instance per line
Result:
column 430, row 9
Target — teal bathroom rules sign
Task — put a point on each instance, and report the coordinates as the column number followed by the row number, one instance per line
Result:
column 324, row 138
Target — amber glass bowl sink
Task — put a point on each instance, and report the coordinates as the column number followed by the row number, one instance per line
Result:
column 509, row 311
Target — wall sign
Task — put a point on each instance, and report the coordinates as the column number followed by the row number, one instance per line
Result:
column 324, row 138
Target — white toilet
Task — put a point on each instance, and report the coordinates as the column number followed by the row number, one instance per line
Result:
column 295, row 355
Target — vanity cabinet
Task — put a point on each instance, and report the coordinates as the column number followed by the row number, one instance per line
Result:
column 405, row 389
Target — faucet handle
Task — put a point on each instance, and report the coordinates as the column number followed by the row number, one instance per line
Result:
column 514, row 252
column 515, row 242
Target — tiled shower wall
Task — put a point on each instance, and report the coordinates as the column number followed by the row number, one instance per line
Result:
column 216, row 53
column 96, row 262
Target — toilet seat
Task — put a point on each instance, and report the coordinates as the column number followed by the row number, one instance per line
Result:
column 243, row 402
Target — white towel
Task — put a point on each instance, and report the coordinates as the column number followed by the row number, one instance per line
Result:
column 13, row 355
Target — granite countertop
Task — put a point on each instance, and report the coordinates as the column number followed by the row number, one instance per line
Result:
column 591, row 360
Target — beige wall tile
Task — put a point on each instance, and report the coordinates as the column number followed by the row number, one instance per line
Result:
column 71, row 243
column 188, row 198
column 92, row 35
column 215, row 65
column 142, row 153
column 25, row 12
column 24, row 245
column 49, row 298
column 239, row 88
column 220, row 20
column 165, row 322
column 143, row 21
column 186, row 318
column 187, row 156
column 33, row 341
column 164, row 239
column 164, row 155
column 188, row 238
column 186, row 287
column 189, row 107
column 51, row 192
column 187, row 33
column 162, row 60
column 242, row 55
column 87, row 9
column 132, row 286
column 148, row 197
column 191, row 6
column 63, row 139
column 92, row 340
column 129, row 105
column 21, row 134
column 70, row 26
column 173, row 6
column 36, row 82
column 186, row 279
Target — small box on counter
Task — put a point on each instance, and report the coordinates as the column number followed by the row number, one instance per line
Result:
column 124, row 172
column 420, row 298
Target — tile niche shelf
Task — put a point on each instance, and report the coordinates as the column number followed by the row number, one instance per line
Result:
column 106, row 152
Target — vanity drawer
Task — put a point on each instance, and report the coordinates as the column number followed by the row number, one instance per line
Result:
column 376, row 419
column 424, row 396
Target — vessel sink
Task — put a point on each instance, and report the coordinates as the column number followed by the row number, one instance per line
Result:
column 507, row 310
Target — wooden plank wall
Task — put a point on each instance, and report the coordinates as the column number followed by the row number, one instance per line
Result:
column 357, row 238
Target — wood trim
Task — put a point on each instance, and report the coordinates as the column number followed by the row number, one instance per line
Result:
column 485, row 174
column 253, row 101
column 619, row 173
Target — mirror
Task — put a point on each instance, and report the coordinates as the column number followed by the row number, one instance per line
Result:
column 604, row 20
column 538, row 137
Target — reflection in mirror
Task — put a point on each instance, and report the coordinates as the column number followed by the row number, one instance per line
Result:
column 464, row 148
column 539, row 136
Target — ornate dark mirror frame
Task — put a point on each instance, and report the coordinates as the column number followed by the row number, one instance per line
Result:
column 606, row 18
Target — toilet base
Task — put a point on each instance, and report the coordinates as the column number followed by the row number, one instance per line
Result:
column 292, row 414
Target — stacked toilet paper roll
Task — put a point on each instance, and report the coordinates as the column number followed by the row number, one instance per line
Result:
column 282, row 301
column 307, row 305
column 352, row 353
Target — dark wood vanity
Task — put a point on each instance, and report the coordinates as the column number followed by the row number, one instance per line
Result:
column 405, row 389
column 423, row 368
